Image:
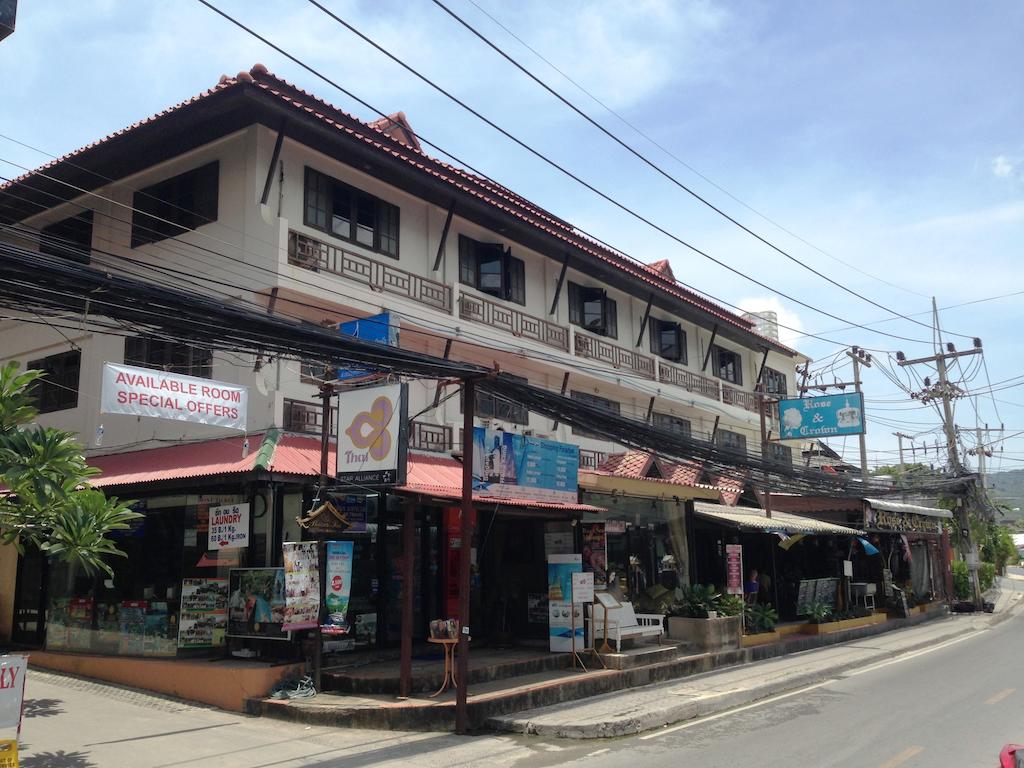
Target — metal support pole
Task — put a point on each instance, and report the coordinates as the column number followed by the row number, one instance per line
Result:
column 465, row 544
column 408, row 547
column 861, row 439
column 326, row 393
column 762, row 405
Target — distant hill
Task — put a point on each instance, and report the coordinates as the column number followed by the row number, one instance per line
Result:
column 1008, row 487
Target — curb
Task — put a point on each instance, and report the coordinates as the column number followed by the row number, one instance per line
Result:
column 692, row 708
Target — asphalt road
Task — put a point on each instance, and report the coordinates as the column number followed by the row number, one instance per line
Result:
column 954, row 705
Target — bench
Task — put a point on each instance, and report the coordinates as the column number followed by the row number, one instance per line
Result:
column 623, row 622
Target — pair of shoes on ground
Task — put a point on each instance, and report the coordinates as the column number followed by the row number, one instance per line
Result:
column 294, row 688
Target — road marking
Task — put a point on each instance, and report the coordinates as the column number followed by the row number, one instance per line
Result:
column 903, row 756
column 599, row 752
column 999, row 696
column 806, row 688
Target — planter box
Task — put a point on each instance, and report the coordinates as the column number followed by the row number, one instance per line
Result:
column 838, row 626
column 761, row 638
column 706, row 634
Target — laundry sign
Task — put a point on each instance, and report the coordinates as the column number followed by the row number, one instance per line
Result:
column 162, row 395
column 229, row 527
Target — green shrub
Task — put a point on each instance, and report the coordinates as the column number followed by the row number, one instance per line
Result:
column 762, row 618
column 961, row 580
column 987, row 575
column 819, row 612
column 730, row 605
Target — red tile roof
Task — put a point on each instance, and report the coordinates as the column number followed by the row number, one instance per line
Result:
column 377, row 135
column 638, row 464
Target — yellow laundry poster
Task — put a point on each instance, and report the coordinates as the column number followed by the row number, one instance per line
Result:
column 8, row 753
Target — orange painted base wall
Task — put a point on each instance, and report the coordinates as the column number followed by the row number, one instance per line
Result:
column 225, row 684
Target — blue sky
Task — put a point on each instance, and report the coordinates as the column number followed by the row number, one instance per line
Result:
column 885, row 135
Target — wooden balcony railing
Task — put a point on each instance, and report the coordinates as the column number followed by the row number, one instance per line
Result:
column 592, row 459
column 506, row 318
column 741, row 399
column 318, row 256
column 300, row 416
column 431, row 437
column 688, row 380
column 618, row 357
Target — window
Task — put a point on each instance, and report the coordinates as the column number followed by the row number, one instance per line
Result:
column 731, row 441
column 69, row 239
column 728, row 365
column 774, row 382
column 672, row 424
column 491, row 268
column 591, row 308
column 780, row 453
column 668, row 340
column 315, row 373
column 490, row 406
column 58, row 389
column 168, row 356
column 176, row 205
column 350, row 214
column 602, row 403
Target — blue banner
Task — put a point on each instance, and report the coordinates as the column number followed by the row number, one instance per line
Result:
column 506, row 464
column 825, row 416
column 338, row 588
column 381, row 329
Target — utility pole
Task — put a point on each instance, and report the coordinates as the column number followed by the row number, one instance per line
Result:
column 901, row 437
column 763, row 406
column 860, row 358
column 943, row 391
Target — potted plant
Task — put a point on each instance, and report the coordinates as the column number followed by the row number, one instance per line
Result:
column 819, row 612
column 699, row 619
column 761, row 618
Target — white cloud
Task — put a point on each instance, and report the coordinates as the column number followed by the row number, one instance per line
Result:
column 792, row 333
column 1003, row 167
column 997, row 215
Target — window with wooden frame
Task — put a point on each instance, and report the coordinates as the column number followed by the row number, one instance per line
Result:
column 782, row 454
column 727, row 365
column 671, row 423
column 350, row 214
column 492, row 269
column 170, row 356
column 57, row 390
column 668, row 340
column 731, row 441
column 603, row 403
column 69, row 238
column 774, row 382
column 176, row 205
column 590, row 308
column 490, row 406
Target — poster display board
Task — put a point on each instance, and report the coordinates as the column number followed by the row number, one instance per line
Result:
column 12, row 690
column 595, row 553
column 734, row 569
column 582, row 588
column 256, row 605
column 338, row 584
column 301, row 585
column 228, row 527
column 513, row 466
column 825, row 416
column 163, row 395
column 560, row 617
column 203, row 621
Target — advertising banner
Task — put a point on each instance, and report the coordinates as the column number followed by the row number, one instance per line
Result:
column 509, row 465
column 301, row 585
column 382, row 329
column 734, row 569
column 825, row 416
column 372, row 435
column 560, row 618
column 203, row 621
column 256, row 606
column 338, row 585
column 12, row 690
column 229, row 527
column 595, row 553
column 582, row 588
column 162, row 395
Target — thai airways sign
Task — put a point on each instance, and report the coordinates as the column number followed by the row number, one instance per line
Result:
column 825, row 416
column 161, row 395
column 372, row 435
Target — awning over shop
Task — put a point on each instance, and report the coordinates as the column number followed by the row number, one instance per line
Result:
column 911, row 509
column 751, row 518
column 441, row 477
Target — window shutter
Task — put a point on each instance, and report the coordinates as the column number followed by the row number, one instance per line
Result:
column 516, row 279
column 575, row 305
column 611, row 319
column 467, row 261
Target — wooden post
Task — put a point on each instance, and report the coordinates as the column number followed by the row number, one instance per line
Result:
column 408, row 547
column 466, row 543
column 326, row 392
column 764, row 456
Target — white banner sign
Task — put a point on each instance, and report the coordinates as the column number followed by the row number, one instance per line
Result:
column 161, row 395
column 12, row 690
column 229, row 527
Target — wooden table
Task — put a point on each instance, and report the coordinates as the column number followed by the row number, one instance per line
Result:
column 449, row 662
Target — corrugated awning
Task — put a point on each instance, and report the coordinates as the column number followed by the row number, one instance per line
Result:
column 754, row 519
column 913, row 509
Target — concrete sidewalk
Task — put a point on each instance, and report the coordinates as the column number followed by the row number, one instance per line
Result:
column 655, row 706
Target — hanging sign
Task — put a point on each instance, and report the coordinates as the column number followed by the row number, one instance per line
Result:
column 734, row 569
column 372, row 435
column 338, row 585
column 163, row 395
column 509, row 465
column 229, row 527
column 301, row 585
column 12, row 690
column 825, row 416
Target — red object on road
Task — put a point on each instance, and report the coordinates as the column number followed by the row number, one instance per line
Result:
column 1012, row 756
